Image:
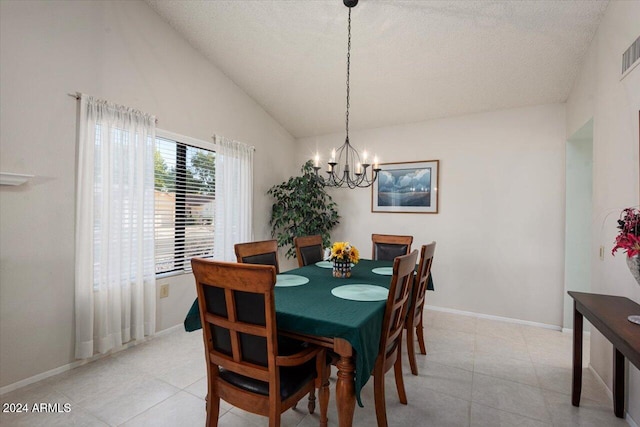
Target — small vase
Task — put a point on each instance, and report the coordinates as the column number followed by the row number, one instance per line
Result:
column 341, row 269
column 634, row 267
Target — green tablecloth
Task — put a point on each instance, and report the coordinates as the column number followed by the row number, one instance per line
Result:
column 312, row 309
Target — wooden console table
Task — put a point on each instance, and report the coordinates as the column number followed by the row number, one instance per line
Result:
column 609, row 315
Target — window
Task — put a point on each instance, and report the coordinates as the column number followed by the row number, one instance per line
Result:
column 184, row 202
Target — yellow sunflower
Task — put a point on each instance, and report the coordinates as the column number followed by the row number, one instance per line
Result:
column 354, row 255
column 343, row 251
column 337, row 251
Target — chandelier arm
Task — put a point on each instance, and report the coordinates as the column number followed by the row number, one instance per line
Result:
column 368, row 182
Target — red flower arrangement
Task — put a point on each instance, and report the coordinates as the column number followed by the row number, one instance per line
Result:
column 629, row 237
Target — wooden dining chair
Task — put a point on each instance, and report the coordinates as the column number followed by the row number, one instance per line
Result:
column 414, row 319
column 264, row 252
column 247, row 366
column 390, row 353
column 308, row 249
column 386, row 246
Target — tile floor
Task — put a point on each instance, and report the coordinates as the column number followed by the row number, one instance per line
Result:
column 478, row 373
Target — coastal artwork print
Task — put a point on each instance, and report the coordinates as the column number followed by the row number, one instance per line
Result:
column 410, row 187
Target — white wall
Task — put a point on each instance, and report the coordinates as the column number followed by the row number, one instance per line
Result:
column 613, row 104
column 123, row 52
column 500, row 226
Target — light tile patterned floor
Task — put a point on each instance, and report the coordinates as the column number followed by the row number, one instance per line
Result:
column 478, row 373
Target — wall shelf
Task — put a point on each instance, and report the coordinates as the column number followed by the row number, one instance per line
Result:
column 7, row 178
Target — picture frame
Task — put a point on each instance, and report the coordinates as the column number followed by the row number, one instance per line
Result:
column 406, row 187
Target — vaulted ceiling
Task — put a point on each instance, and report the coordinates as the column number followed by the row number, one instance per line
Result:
column 410, row 60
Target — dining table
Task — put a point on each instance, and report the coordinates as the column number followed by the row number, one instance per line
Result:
column 342, row 314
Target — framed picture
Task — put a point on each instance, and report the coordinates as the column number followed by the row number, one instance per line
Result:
column 410, row 187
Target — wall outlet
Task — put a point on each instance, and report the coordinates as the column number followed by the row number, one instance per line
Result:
column 164, row 291
column 601, row 253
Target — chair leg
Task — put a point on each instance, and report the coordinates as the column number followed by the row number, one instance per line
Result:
column 324, row 399
column 420, row 334
column 274, row 417
column 397, row 367
column 312, row 401
column 322, row 384
column 378, row 394
column 411, row 352
column 213, row 411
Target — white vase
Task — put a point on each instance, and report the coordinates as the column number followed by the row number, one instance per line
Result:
column 634, row 267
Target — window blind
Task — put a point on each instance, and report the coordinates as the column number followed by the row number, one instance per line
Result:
column 184, row 204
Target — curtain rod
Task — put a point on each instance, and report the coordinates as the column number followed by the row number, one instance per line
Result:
column 77, row 97
column 251, row 147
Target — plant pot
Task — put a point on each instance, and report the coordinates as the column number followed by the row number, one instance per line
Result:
column 634, row 267
column 342, row 269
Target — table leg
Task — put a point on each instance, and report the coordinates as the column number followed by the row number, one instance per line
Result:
column 345, row 386
column 576, row 388
column 618, row 383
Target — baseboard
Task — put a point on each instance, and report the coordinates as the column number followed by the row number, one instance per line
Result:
column 601, row 381
column 570, row 331
column 627, row 417
column 492, row 317
column 44, row 375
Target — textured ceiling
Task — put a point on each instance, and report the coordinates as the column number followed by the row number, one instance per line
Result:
column 410, row 60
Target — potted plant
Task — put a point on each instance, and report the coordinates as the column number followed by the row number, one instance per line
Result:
column 302, row 207
column 343, row 255
column 628, row 239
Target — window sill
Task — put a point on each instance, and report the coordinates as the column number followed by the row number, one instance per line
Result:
column 172, row 274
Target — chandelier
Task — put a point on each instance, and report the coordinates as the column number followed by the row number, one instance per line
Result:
column 345, row 167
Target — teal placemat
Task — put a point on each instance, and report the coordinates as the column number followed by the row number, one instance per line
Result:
column 361, row 292
column 288, row 280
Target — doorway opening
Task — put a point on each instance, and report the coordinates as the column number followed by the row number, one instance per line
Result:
column 578, row 216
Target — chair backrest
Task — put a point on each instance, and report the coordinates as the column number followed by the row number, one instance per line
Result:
column 308, row 249
column 397, row 304
column 387, row 247
column 237, row 312
column 420, row 283
column 263, row 253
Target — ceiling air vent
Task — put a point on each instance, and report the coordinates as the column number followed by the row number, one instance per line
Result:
column 631, row 56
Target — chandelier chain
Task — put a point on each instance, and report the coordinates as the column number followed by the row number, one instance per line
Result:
column 348, row 71
column 345, row 167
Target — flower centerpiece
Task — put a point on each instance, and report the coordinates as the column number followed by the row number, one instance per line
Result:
column 628, row 239
column 343, row 255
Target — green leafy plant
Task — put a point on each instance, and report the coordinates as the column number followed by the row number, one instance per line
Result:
column 302, row 207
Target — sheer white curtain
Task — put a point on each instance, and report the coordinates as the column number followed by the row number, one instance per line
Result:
column 234, row 196
column 115, row 271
